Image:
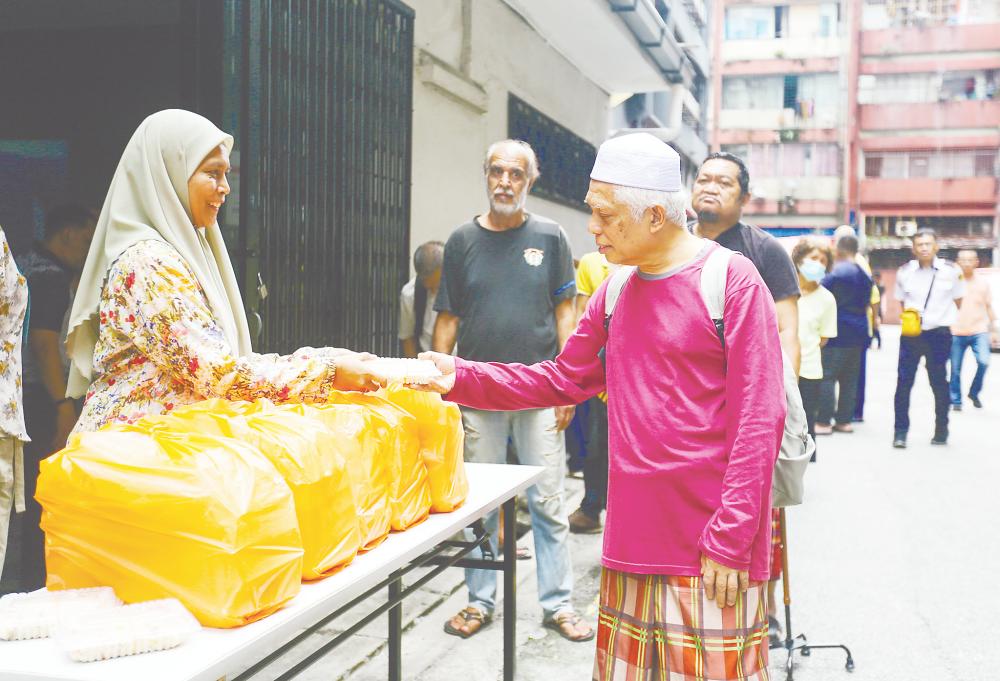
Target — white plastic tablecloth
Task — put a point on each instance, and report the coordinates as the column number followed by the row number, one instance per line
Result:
column 215, row 653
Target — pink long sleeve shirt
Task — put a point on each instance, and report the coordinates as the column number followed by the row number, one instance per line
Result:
column 694, row 430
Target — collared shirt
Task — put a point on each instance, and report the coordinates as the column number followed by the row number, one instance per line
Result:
column 408, row 315
column 817, row 320
column 13, row 304
column 852, row 289
column 913, row 283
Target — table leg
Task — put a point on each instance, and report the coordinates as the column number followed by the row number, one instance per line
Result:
column 395, row 632
column 509, row 587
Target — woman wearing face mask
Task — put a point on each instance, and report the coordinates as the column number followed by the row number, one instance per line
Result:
column 158, row 320
column 817, row 320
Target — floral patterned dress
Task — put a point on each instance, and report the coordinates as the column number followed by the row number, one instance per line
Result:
column 13, row 304
column 160, row 347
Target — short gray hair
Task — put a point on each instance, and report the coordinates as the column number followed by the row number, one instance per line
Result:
column 529, row 153
column 428, row 258
column 639, row 201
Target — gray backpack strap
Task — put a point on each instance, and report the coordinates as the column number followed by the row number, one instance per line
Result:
column 614, row 290
column 713, row 287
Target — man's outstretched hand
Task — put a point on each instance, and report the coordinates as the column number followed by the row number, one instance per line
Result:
column 446, row 381
column 722, row 583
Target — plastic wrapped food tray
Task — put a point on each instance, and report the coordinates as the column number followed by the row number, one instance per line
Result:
column 406, row 370
column 129, row 630
column 37, row 614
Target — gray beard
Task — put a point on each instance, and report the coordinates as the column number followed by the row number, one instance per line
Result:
column 507, row 209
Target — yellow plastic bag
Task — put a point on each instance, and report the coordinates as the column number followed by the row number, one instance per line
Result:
column 306, row 456
column 362, row 437
column 442, row 442
column 409, row 494
column 203, row 519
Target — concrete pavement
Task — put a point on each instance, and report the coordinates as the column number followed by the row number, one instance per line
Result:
column 894, row 553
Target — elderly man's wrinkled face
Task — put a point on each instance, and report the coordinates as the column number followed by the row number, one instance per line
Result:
column 619, row 236
column 507, row 180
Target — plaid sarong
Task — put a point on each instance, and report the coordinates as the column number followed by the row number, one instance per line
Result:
column 662, row 628
column 776, row 546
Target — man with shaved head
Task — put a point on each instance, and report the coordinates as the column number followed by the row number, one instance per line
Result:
column 696, row 411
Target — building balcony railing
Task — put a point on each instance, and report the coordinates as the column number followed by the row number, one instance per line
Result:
column 796, row 47
column 928, row 40
column 931, row 115
column 777, row 119
column 921, row 193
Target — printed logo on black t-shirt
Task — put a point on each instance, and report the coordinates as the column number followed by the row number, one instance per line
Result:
column 534, row 256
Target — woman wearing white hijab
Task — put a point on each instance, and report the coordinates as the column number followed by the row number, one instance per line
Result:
column 158, row 321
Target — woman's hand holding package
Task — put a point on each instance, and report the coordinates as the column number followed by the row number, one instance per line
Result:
column 357, row 372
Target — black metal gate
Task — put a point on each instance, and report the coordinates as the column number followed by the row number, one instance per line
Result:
column 320, row 94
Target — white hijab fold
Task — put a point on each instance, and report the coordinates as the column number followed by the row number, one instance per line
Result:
column 148, row 199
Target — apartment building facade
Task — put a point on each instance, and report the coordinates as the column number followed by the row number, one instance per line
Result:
column 927, row 126
column 676, row 36
column 779, row 73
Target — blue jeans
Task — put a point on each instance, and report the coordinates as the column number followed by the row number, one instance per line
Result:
column 980, row 344
column 538, row 443
column 934, row 346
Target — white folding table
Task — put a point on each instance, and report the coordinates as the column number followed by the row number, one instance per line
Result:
column 215, row 654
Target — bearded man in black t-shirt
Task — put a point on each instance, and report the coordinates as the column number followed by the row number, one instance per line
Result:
column 721, row 191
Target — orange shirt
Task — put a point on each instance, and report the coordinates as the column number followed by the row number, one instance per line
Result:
column 973, row 316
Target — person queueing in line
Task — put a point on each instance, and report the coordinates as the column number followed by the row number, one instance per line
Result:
column 695, row 423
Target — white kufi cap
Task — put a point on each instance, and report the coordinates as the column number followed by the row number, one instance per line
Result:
column 638, row 160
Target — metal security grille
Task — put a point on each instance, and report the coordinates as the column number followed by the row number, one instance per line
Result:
column 325, row 168
column 564, row 157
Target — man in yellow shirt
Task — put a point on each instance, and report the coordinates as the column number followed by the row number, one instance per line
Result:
column 593, row 270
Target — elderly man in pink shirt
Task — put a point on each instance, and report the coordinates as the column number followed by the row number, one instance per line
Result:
column 695, row 425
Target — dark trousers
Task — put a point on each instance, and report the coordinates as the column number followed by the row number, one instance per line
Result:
column 809, row 388
column 577, row 438
column 595, row 465
column 935, row 347
column 840, row 366
column 24, row 567
column 859, row 402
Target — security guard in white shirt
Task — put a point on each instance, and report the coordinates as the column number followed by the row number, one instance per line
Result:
column 934, row 288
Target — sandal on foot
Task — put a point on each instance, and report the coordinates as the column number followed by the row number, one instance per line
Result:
column 467, row 623
column 567, row 624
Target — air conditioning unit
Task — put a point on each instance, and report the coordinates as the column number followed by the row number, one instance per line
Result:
column 905, row 227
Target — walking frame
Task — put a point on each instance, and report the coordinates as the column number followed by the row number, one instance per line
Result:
column 798, row 643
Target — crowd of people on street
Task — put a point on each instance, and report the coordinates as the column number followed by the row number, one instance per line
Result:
column 827, row 307
column 135, row 310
